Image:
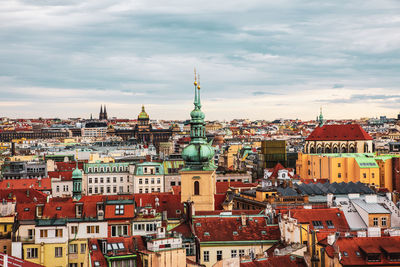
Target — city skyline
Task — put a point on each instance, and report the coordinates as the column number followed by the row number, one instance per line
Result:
column 257, row 60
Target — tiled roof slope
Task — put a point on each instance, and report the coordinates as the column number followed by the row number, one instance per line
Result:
column 231, row 229
column 345, row 132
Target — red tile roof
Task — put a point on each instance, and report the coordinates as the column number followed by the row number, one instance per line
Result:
column 110, row 212
column 233, row 212
column 22, row 195
column 184, row 229
column 231, row 229
column 16, row 262
column 132, row 245
column 366, row 245
column 218, row 200
column 64, row 175
column 42, row 184
column 277, row 168
column 330, row 214
column 336, row 132
column 275, row 261
column 167, row 202
column 176, row 190
column 68, row 166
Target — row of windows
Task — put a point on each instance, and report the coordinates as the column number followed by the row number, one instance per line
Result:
column 146, row 190
column 108, row 169
column 65, row 188
column 364, row 175
column 152, row 180
column 119, row 230
column 100, row 189
column 108, row 180
column 148, row 227
column 234, row 254
column 32, row 253
column 58, row 233
column 151, row 170
column 383, row 221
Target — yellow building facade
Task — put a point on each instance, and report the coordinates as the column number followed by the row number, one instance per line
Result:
column 199, row 187
column 73, row 253
column 348, row 167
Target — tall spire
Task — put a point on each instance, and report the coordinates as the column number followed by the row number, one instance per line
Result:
column 105, row 113
column 321, row 118
column 101, row 112
column 198, row 154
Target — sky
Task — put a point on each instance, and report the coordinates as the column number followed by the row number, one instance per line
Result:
column 257, row 59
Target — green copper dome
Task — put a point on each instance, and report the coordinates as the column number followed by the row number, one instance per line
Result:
column 77, row 174
column 143, row 114
column 198, row 155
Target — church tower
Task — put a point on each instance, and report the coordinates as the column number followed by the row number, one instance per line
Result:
column 198, row 177
column 101, row 113
column 105, row 113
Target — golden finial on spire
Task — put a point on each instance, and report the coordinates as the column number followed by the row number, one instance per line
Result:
column 198, row 78
column 195, row 78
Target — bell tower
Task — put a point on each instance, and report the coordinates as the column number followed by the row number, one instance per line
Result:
column 198, row 177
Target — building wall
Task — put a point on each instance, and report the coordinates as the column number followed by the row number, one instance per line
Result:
column 171, row 180
column 61, row 188
column 5, row 246
column 205, row 200
column 46, row 254
column 379, row 216
column 226, row 251
column 336, row 169
column 169, row 258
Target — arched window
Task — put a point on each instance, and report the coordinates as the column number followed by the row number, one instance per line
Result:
column 366, row 148
column 319, row 150
column 335, row 149
column 327, row 149
column 196, row 188
column 344, row 150
column 351, row 150
column 312, row 150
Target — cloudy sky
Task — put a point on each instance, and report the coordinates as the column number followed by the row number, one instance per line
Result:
column 258, row 59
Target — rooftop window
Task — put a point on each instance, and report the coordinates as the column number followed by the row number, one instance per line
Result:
column 263, row 232
column 121, row 245
column 119, row 210
column 94, row 247
column 317, row 224
column 206, row 233
column 198, row 224
column 58, row 208
column 330, row 225
column 345, row 253
column 235, row 233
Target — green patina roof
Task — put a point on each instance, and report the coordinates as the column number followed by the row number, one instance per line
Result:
column 104, row 165
column 172, row 164
column 366, row 162
column 199, row 154
column 139, row 170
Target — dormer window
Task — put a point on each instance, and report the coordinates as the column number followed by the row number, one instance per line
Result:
column 119, row 210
